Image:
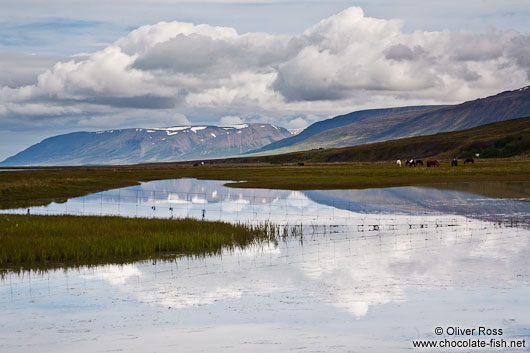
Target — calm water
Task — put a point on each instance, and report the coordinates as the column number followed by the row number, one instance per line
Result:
column 376, row 270
column 12, row 170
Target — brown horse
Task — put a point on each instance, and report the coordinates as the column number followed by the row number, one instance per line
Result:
column 469, row 160
column 433, row 163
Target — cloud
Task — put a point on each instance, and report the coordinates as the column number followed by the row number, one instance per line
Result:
column 18, row 69
column 349, row 55
column 132, row 118
column 297, row 123
column 519, row 51
column 345, row 62
column 399, row 52
column 230, row 120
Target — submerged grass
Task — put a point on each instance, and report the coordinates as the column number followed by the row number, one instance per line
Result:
column 42, row 186
column 40, row 242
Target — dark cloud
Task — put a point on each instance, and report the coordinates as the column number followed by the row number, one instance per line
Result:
column 200, row 54
column 293, row 89
column 399, row 52
column 520, row 52
column 472, row 47
column 139, row 102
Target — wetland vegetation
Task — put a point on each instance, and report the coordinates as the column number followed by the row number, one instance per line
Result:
column 31, row 241
column 40, row 242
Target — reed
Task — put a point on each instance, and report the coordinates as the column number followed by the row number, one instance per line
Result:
column 37, row 242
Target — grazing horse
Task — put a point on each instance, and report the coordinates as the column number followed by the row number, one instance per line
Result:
column 454, row 162
column 433, row 163
column 398, row 162
column 410, row 163
column 469, row 160
column 418, row 162
column 301, row 164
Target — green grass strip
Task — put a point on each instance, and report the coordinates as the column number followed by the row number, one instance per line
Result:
column 53, row 241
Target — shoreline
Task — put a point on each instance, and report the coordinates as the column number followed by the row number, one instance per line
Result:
column 20, row 189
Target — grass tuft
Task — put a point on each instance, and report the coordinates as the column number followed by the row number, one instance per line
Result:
column 39, row 242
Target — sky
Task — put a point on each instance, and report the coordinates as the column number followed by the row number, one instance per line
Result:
column 72, row 65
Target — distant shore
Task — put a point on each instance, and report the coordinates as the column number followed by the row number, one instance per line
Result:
column 19, row 189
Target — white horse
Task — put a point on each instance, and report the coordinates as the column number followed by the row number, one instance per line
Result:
column 398, row 162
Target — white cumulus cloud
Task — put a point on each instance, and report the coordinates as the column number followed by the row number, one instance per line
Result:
column 345, row 62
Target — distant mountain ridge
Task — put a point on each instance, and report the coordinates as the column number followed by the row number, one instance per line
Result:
column 336, row 122
column 503, row 139
column 141, row 145
column 378, row 125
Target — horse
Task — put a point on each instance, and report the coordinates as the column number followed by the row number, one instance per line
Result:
column 398, row 162
column 433, row 163
column 410, row 163
column 419, row 161
column 454, row 162
column 469, row 160
column 301, row 164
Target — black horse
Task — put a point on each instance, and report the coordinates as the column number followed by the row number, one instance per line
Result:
column 454, row 162
column 419, row 162
column 469, row 160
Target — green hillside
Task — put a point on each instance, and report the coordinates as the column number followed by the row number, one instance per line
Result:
column 497, row 140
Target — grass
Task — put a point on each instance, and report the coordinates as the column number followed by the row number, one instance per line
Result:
column 510, row 145
column 42, row 186
column 40, row 242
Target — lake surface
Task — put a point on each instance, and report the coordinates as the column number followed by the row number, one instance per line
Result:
column 376, row 270
column 13, row 170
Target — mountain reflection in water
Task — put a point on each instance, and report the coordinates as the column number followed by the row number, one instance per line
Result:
column 211, row 200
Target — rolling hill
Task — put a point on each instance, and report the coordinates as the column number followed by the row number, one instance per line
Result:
column 387, row 124
column 337, row 122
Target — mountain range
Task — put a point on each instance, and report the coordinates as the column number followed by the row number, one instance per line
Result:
column 140, row 145
column 503, row 139
column 377, row 125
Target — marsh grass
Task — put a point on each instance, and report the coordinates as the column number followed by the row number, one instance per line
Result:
column 40, row 242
